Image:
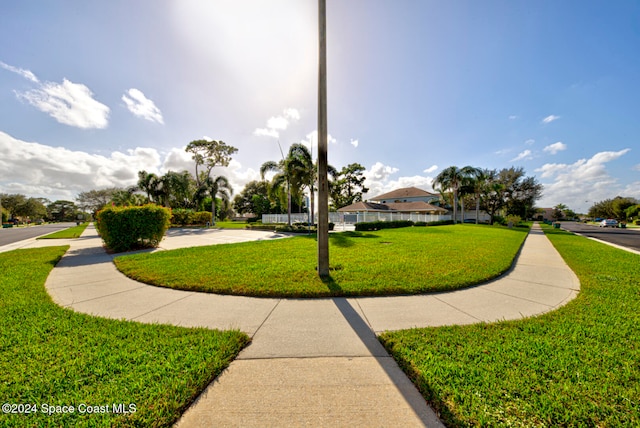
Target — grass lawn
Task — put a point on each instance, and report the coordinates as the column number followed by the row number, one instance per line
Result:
column 230, row 224
column 577, row 366
column 50, row 356
column 390, row 261
column 70, row 233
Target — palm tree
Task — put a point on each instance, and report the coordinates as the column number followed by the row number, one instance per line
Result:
column 218, row 186
column 304, row 172
column 279, row 179
column 453, row 178
column 149, row 183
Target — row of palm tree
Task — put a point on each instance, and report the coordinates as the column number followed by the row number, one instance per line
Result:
column 181, row 190
column 507, row 191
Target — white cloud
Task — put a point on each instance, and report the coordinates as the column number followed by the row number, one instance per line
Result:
column 39, row 170
column 354, row 143
column 636, row 167
column 580, row 184
column 431, row 169
column 555, row 147
column 526, row 155
column 69, row 103
column 513, row 117
column 380, row 172
column 550, row 118
column 21, row 71
column 378, row 180
column 530, row 142
column 59, row 173
column 275, row 124
column 141, row 106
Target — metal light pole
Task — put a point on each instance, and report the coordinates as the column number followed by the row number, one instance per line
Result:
column 323, row 187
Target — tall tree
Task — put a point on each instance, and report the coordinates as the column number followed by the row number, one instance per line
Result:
column 62, row 211
column 253, row 199
column 149, row 183
column 218, row 186
column 95, row 200
column 452, row 179
column 278, row 181
column 349, row 185
column 208, row 154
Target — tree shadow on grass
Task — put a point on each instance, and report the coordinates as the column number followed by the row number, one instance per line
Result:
column 331, row 283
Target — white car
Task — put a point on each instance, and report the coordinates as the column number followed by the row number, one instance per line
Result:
column 609, row 223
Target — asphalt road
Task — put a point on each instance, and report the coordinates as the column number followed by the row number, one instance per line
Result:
column 629, row 238
column 15, row 234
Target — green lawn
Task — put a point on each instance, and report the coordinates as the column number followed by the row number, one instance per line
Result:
column 391, row 261
column 577, row 366
column 230, row 224
column 70, row 233
column 50, row 356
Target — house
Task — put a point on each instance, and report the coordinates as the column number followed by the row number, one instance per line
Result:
column 409, row 203
column 407, row 194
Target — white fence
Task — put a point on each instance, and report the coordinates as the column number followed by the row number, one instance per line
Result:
column 336, row 217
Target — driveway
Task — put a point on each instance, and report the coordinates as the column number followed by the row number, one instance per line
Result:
column 629, row 238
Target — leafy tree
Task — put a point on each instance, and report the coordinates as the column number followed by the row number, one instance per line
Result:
column 612, row 208
column 510, row 192
column 349, row 185
column 95, row 200
column 254, row 199
column 62, row 211
column 11, row 202
column 33, row 208
column 632, row 211
column 558, row 211
column 209, row 154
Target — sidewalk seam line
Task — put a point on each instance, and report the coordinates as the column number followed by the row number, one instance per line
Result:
column 160, row 307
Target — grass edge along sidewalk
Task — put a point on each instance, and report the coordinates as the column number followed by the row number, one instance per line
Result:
column 69, row 233
column 576, row 366
column 385, row 262
column 53, row 357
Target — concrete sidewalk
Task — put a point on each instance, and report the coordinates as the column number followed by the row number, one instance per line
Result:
column 311, row 361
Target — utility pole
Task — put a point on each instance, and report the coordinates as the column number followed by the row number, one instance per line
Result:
column 323, row 187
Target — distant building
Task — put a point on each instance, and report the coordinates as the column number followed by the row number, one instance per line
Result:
column 408, row 200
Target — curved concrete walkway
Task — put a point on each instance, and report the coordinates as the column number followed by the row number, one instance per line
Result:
column 311, row 361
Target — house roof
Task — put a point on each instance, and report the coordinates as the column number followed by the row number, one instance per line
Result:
column 406, row 192
column 364, row 206
column 414, row 207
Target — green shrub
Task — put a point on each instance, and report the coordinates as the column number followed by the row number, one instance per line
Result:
column 127, row 228
column 377, row 225
column 513, row 219
column 202, row 217
column 637, row 222
column 184, row 217
column 439, row 223
column 181, row 216
column 420, row 223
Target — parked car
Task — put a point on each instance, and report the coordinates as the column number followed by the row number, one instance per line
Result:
column 609, row 223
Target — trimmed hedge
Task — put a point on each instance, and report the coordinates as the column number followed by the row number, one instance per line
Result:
column 128, row 228
column 377, row 225
column 294, row 228
column 182, row 217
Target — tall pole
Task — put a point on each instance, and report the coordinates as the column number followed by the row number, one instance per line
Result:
column 323, row 187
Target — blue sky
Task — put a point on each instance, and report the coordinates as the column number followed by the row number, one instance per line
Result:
column 93, row 92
